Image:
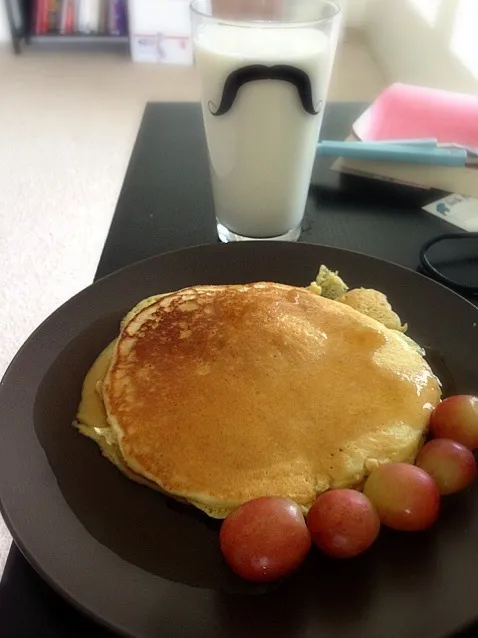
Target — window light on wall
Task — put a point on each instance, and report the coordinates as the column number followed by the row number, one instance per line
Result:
column 428, row 9
column 464, row 39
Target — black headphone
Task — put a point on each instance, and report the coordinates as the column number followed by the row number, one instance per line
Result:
column 427, row 268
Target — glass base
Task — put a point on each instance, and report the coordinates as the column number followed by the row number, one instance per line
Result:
column 226, row 235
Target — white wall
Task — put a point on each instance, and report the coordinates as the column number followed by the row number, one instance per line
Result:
column 410, row 49
column 355, row 12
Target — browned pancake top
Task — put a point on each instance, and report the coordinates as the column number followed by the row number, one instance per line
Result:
column 224, row 393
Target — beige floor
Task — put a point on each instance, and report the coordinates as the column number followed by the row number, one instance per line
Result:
column 68, row 121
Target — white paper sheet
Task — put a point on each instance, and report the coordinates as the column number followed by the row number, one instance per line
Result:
column 458, row 210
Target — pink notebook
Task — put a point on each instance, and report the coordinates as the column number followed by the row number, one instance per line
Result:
column 404, row 111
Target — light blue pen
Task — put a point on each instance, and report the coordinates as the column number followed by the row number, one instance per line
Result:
column 422, row 142
column 416, row 152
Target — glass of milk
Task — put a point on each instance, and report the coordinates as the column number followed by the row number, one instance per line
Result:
column 265, row 67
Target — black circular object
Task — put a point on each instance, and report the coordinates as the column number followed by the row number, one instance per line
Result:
column 146, row 566
column 463, row 262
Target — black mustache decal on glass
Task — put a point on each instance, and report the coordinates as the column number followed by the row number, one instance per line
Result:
column 284, row 72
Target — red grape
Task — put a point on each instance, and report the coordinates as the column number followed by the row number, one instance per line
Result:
column 456, row 418
column 405, row 496
column 265, row 539
column 450, row 464
column 343, row 523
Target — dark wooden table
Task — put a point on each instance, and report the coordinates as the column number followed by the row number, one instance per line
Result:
column 166, row 203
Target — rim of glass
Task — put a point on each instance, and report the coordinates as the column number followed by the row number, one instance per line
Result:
column 286, row 24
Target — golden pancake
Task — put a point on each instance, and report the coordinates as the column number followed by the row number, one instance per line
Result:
column 373, row 304
column 91, row 416
column 219, row 394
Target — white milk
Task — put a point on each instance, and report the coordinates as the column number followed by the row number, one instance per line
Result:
column 262, row 151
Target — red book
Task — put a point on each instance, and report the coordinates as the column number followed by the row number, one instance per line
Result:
column 70, row 16
column 45, row 14
column 38, row 15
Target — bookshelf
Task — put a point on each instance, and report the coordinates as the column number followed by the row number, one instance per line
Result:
column 63, row 22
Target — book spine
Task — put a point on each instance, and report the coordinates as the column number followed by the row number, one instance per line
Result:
column 91, row 16
column 45, row 16
column 115, row 18
column 123, row 17
column 111, row 16
column 80, row 16
column 84, row 18
column 70, row 16
column 95, row 15
column 38, row 15
column 63, row 13
column 52, row 15
column 92, row 21
column 103, row 21
column 59, row 15
column 77, row 16
column 107, row 16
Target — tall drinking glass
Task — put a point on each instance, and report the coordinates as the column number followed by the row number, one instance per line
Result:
column 265, row 67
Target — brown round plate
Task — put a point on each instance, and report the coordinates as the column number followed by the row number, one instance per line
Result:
column 146, row 566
